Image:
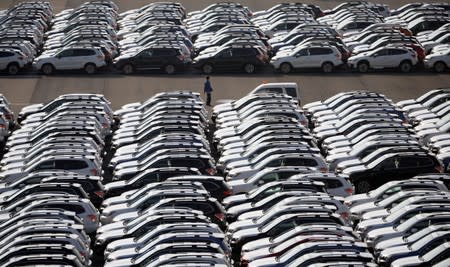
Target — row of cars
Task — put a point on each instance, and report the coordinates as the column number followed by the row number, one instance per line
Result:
column 285, row 208
column 428, row 114
column 361, row 35
column 367, row 137
column 405, row 223
column 22, row 34
column 81, row 38
column 52, row 183
column 230, row 37
column 163, row 204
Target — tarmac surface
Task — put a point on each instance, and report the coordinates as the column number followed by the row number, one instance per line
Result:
column 32, row 88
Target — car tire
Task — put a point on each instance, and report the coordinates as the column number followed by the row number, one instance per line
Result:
column 169, row 69
column 362, row 186
column 363, row 67
column 207, row 68
column 327, row 67
column 439, row 67
column 405, row 66
column 90, row 68
column 13, row 68
column 47, row 69
column 127, row 69
column 285, row 68
column 249, row 68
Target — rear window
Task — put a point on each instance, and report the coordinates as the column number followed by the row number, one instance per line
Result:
column 331, row 183
column 291, row 92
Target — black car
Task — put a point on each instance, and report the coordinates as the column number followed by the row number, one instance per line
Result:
column 232, row 58
column 168, row 59
column 393, row 166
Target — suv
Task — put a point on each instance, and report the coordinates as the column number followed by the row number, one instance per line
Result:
column 12, row 61
column 168, row 59
column 88, row 59
column 324, row 57
column 245, row 58
column 385, row 57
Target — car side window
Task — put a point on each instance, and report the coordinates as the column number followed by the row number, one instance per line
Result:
column 319, row 51
column 66, row 53
column 83, row 52
column 274, row 163
column 282, row 227
column 270, row 177
column 407, row 162
column 388, row 164
column 46, row 165
column 70, row 164
column 6, row 54
column 380, row 53
column 146, row 53
column 225, row 54
column 286, row 175
column 187, row 162
column 302, row 53
column 161, row 163
column 396, row 51
column 210, row 186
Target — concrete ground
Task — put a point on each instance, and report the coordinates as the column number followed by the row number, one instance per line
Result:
column 119, row 89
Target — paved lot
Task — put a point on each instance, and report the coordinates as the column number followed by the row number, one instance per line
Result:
column 27, row 89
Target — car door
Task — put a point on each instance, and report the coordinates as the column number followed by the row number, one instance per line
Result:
column 387, row 169
column 300, row 58
column 161, row 56
column 144, row 60
column 241, row 56
column 64, row 60
column 380, row 59
column 4, row 59
column 317, row 55
column 395, row 57
column 224, row 60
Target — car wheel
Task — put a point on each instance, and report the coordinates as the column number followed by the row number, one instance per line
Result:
column 127, row 69
column 169, row 69
column 249, row 68
column 327, row 67
column 90, row 68
column 363, row 67
column 13, row 69
column 47, row 69
column 207, row 68
column 439, row 67
column 362, row 186
column 405, row 67
column 285, row 68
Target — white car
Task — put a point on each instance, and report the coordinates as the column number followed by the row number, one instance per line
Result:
column 438, row 61
column 88, row 59
column 384, row 57
column 12, row 61
column 324, row 57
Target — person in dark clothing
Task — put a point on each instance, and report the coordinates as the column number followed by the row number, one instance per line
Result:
column 208, row 89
